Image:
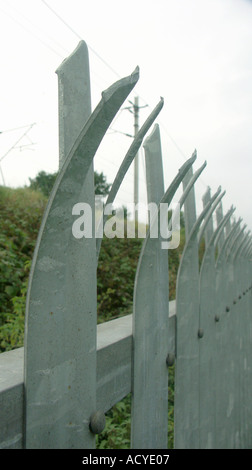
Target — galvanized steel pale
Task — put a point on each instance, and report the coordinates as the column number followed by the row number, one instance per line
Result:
column 154, row 166
column 150, row 329
column 129, row 157
column 213, row 334
column 208, row 232
column 209, row 347
column 219, row 217
column 185, row 406
column 188, row 335
column 149, row 418
column 60, row 340
column 190, row 207
column 224, row 386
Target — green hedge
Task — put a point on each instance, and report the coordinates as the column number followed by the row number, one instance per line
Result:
column 21, row 212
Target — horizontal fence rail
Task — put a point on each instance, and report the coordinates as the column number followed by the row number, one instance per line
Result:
column 55, row 391
column 114, row 361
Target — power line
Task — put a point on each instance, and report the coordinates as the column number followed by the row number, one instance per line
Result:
column 38, row 28
column 79, row 37
column 106, row 63
column 30, row 32
column 15, row 129
column 49, row 47
column 94, row 52
column 18, row 140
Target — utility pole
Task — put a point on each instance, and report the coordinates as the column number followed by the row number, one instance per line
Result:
column 136, row 160
column 135, row 111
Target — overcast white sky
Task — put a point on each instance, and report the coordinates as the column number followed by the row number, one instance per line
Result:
column 197, row 54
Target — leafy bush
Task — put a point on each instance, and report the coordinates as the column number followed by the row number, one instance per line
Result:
column 12, row 330
column 116, row 434
column 20, row 217
column 44, row 182
column 21, row 212
column 115, row 276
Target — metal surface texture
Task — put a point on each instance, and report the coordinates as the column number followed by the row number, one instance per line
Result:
column 228, row 411
column 60, row 339
column 72, row 375
column 129, row 157
column 209, row 320
column 186, row 432
column 150, row 327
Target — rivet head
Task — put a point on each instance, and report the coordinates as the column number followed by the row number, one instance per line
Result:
column 170, row 359
column 97, row 422
column 217, row 318
column 200, row 333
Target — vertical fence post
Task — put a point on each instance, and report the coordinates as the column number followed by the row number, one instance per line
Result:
column 154, row 166
column 188, row 335
column 234, row 342
column 150, row 336
column 243, row 321
column 186, row 432
column 223, row 389
column 150, row 324
column 233, row 346
column 210, row 360
column 189, row 205
column 212, row 402
column 61, row 314
column 219, row 218
column 60, row 348
column 208, row 232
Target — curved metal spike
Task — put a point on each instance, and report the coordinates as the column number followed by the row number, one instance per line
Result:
column 208, row 309
column 191, row 183
column 101, row 118
column 210, row 212
column 219, row 231
column 190, row 205
column 214, row 239
column 247, row 248
column 85, row 146
column 227, row 241
column 61, row 311
column 219, row 217
column 194, row 232
column 130, row 155
column 188, row 188
column 242, row 246
column 187, row 374
column 224, row 377
column 169, row 194
column 234, row 242
column 151, row 296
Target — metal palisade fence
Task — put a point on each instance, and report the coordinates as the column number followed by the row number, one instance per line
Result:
column 211, row 343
